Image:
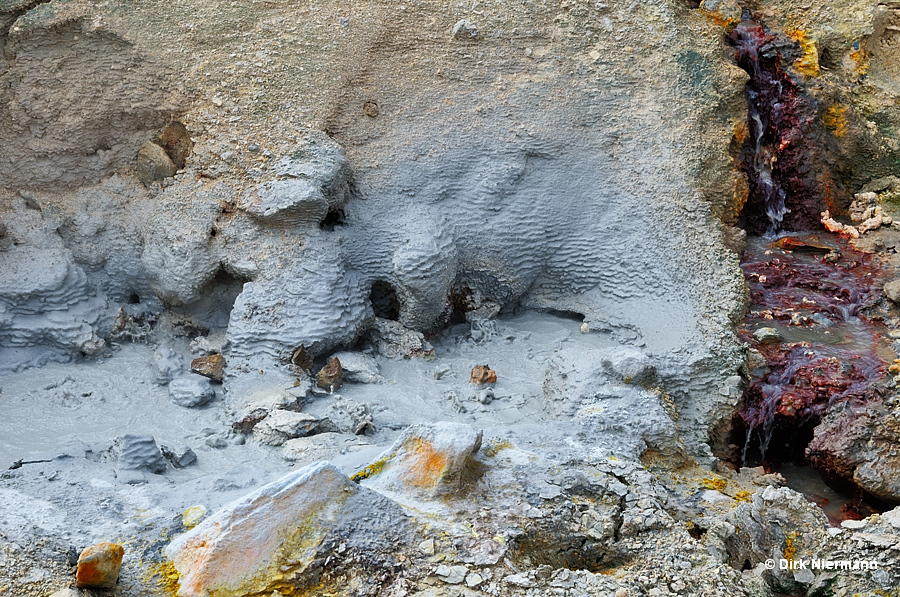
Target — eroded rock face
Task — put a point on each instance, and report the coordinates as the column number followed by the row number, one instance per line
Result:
column 427, row 459
column 108, row 99
column 858, row 444
column 517, row 213
column 275, row 537
column 49, row 310
column 778, row 524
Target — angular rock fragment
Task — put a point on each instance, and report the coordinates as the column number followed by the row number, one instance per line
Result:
column 300, row 358
column 394, row 340
column 277, row 537
column 191, row 390
column 892, row 291
column 180, row 457
column 427, row 459
column 766, row 336
column 348, row 416
column 282, row 425
column 330, row 377
column 452, row 575
column 258, row 405
column 140, row 452
column 464, row 30
column 212, row 366
column 99, row 566
column 482, row 374
column 153, row 163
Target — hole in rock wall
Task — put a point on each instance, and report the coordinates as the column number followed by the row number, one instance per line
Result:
column 334, row 217
column 384, row 301
column 176, row 141
column 811, row 326
column 210, row 313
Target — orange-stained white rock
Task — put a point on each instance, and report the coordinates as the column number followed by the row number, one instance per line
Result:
column 99, row 566
column 426, row 459
column 261, row 541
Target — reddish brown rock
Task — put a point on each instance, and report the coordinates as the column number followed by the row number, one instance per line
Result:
column 99, row 566
column 482, row 374
column 212, row 366
column 300, row 358
column 855, row 446
column 331, row 376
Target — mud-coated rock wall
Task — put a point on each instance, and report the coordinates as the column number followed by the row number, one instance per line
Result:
column 572, row 156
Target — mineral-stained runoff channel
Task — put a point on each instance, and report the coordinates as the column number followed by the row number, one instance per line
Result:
column 810, row 325
column 808, row 322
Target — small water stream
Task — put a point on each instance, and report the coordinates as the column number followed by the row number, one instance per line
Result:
column 811, row 291
column 828, row 351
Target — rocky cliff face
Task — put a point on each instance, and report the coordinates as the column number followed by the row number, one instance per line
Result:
column 277, row 181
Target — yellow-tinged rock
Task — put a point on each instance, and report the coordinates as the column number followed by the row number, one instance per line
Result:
column 263, row 541
column 193, row 515
column 723, row 13
column 429, row 459
column 808, row 62
column 99, row 566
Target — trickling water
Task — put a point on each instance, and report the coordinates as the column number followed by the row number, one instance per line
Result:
column 777, row 117
column 813, row 292
column 828, row 349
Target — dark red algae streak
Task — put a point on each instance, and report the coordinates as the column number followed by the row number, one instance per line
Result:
column 814, row 292
column 829, row 349
column 782, row 194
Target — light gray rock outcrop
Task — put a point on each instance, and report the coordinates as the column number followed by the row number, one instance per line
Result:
column 140, row 452
column 191, row 390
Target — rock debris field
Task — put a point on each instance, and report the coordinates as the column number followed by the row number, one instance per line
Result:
column 453, row 299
